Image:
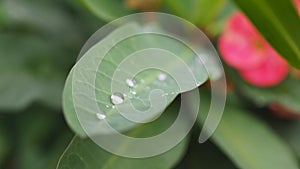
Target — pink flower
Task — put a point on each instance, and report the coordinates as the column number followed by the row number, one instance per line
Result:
column 269, row 73
column 242, row 47
column 297, row 3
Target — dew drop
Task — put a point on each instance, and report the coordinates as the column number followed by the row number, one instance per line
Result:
column 130, row 82
column 117, row 98
column 133, row 92
column 100, row 116
column 165, row 94
column 162, row 77
column 107, row 106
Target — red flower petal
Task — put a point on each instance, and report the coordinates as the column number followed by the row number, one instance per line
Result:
column 270, row 73
column 242, row 47
column 238, row 23
column 297, row 3
column 240, row 52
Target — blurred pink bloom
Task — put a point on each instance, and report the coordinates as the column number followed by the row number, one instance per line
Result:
column 271, row 72
column 297, row 3
column 242, row 47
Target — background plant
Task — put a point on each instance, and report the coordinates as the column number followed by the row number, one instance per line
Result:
column 39, row 43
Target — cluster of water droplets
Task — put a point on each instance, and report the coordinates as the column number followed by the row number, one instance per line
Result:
column 118, row 98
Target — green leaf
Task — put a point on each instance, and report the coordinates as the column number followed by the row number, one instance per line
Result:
column 217, row 25
column 69, row 110
column 58, row 22
column 199, row 12
column 279, row 23
column 146, row 80
column 85, row 154
column 249, row 142
column 108, row 10
column 35, row 143
column 289, row 131
column 35, row 14
column 286, row 93
column 5, row 146
column 29, row 72
column 204, row 156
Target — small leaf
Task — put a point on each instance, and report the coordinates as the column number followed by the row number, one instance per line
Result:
column 286, row 93
column 28, row 72
column 289, row 131
column 270, row 18
column 85, row 154
column 204, row 156
column 108, row 10
column 37, row 143
column 199, row 12
column 249, row 142
column 35, row 14
column 217, row 25
column 5, row 146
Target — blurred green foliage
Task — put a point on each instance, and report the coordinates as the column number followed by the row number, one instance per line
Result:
column 40, row 41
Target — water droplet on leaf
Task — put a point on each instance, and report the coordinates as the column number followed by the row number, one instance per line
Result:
column 130, row 82
column 117, row 98
column 100, row 116
column 162, row 77
column 133, row 92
